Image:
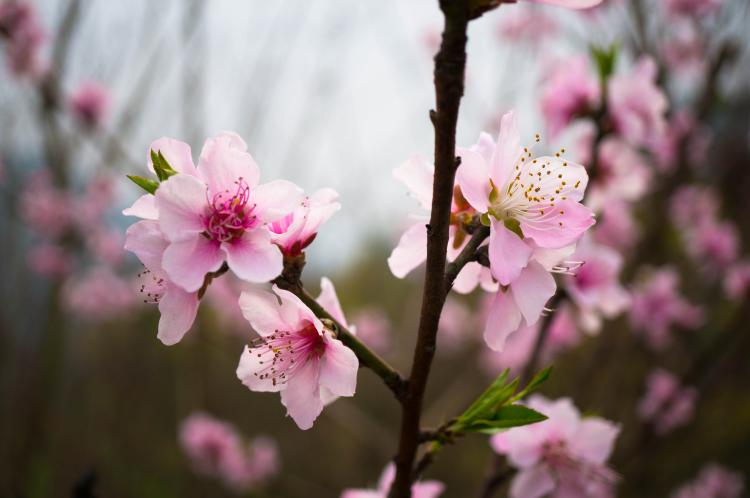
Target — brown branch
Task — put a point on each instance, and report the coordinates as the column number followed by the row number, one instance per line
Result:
column 450, row 63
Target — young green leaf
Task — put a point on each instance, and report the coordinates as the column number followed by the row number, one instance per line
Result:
column 146, row 184
column 534, row 384
column 505, row 418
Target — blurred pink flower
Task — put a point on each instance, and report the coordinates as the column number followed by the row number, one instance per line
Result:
column 222, row 295
column 616, row 227
column 263, row 461
column 90, row 103
column 714, row 481
column 571, row 91
column 683, row 50
column 682, row 131
column 99, row 294
column 44, row 208
column 595, row 286
column 528, row 25
column 297, row 230
column 666, row 404
column 570, row 4
column 657, row 306
column 454, row 325
column 694, row 205
column 294, row 355
column 716, row 245
column 637, row 105
column 49, row 259
column 19, row 24
column 622, row 174
column 219, row 215
column 696, row 8
column 105, row 244
column 178, row 308
column 420, row 489
column 737, row 280
column 563, row 456
column 374, row 328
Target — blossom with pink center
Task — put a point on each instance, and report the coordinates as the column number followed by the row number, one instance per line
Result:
column 373, row 328
column 622, row 174
column 527, row 25
column 177, row 307
column 19, row 24
column 420, row 489
column 90, row 103
column 695, row 8
column 595, row 287
column 571, row 91
column 216, row 212
column 737, row 280
column 411, row 251
column 525, row 199
column 562, row 456
column 616, row 226
column 99, row 294
column 297, row 230
column 666, row 404
column 714, row 481
column 295, row 355
column 636, row 104
column 657, row 306
column 50, row 260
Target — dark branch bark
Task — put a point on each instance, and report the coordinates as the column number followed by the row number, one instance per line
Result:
column 450, row 63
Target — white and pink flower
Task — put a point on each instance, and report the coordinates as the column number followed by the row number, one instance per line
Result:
column 571, row 91
column 297, row 230
column 420, row 489
column 714, row 481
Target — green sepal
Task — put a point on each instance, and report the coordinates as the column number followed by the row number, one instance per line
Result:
column 484, row 219
column 605, row 59
column 514, row 226
column 146, row 184
column 161, row 166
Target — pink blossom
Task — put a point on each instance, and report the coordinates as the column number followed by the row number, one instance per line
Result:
column 570, row 4
column 90, row 103
column 106, row 244
column 657, row 306
column 682, row 131
column 563, row 456
column 49, row 259
column 666, row 404
column 295, row 355
column 737, row 280
column 217, row 212
column 263, row 461
column 297, row 230
column 683, row 50
column 715, row 244
column 19, row 24
column 454, row 325
column 45, row 208
column 694, row 205
column 616, row 226
column 527, row 25
column 373, row 328
column 571, row 91
column 421, row 489
column 714, row 481
column 89, row 209
column 595, row 287
column 178, row 308
column 696, row 8
column 222, row 296
column 636, row 104
column 622, row 174
column 98, row 295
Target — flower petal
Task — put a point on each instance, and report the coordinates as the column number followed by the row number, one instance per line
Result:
column 338, row 368
column 532, row 483
column 560, row 226
column 302, row 395
column 410, row 252
column 594, row 439
column 570, row 4
column 296, row 313
column 262, row 310
column 181, row 201
column 253, row 257
column 468, row 278
column 143, row 207
column 330, row 301
column 187, row 261
column 276, row 199
column 473, row 176
column 178, row 309
column 507, row 151
column 224, row 160
column 531, row 291
column 503, row 319
column 417, row 174
column 145, row 240
column 249, row 372
column 427, row 489
column 509, row 254
column 177, row 154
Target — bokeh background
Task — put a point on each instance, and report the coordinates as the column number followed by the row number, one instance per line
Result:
column 335, row 94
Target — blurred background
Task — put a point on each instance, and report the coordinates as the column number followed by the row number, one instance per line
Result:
column 336, row 94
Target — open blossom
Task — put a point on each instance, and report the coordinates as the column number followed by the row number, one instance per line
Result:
column 714, row 481
column 666, row 404
column 622, row 174
column 89, row 103
column 217, row 212
column 45, row 208
column 571, row 91
column 420, row 489
column 616, row 227
column 297, row 230
column 295, row 355
column 178, row 307
column 657, row 306
column 99, row 294
column 694, row 205
column 636, row 104
column 411, row 251
column 563, row 456
column 527, row 25
column 595, row 287
column 737, row 280
column 49, row 259
column 19, row 24
column 714, row 244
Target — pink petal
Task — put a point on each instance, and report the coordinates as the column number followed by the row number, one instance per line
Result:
column 145, row 240
column 177, row 154
column 570, row 4
column 262, row 310
column 560, row 228
column 302, row 395
column 253, row 257
column 338, row 368
column 417, row 174
column 410, row 252
column 143, row 207
column 330, row 301
column 276, row 199
column 531, row 291
column 522, row 445
column 503, row 319
column 249, row 369
column 507, row 151
column 532, row 483
column 509, row 254
column 181, row 201
column 187, row 261
column 594, row 439
column 468, row 279
column 473, row 176
column 427, row 489
column 361, row 493
column 178, row 309
column 224, row 160
column 387, row 477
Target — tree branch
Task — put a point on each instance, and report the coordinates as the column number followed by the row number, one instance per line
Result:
column 467, row 255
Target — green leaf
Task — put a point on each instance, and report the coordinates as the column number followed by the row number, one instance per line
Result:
column 505, row 418
column 534, row 384
column 605, row 60
column 161, row 166
column 146, row 184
